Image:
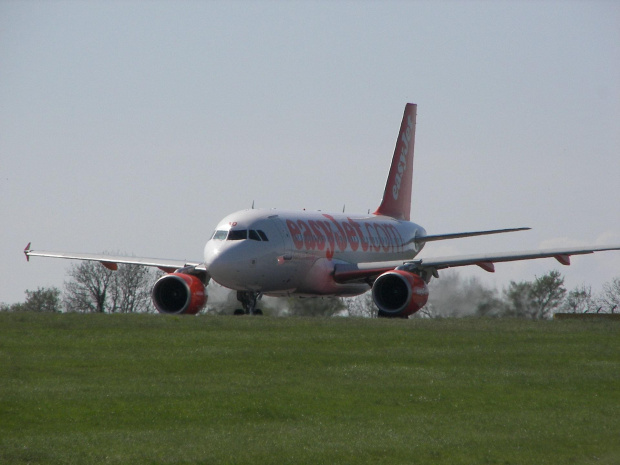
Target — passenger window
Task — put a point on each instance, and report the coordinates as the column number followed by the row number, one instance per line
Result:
column 254, row 235
column 237, row 235
column 262, row 235
column 220, row 235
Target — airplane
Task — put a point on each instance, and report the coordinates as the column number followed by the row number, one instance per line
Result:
column 271, row 252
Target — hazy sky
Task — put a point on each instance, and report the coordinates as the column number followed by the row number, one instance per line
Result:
column 134, row 127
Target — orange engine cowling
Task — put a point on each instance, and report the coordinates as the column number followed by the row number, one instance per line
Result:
column 178, row 293
column 399, row 294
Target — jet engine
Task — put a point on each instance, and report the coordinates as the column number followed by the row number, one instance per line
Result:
column 178, row 293
column 399, row 293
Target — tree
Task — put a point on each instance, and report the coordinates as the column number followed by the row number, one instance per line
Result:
column 131, row 289
column 361, row 305
column 536, row 300
column 580, row 300
column 518, row 299
column 44, row 299
column 547, row 294
column 88, row 292
column 16, row 307
column 610, row 299
column 97, row 289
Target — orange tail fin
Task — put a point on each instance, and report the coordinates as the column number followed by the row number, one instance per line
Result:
column 397, row 196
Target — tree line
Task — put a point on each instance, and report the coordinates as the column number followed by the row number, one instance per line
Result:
column 92, row 288
column 538, row 299
column 454, row 296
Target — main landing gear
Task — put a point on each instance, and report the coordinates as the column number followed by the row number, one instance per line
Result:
column 248, row 302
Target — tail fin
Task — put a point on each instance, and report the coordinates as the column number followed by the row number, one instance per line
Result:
column 397, row 196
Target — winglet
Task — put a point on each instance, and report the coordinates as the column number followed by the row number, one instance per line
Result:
column 26, row 250
column 397, row 196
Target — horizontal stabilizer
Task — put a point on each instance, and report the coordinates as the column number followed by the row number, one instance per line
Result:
column 441, row 237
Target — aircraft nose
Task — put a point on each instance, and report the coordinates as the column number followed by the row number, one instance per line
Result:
column 214, row 258
column 225, row 262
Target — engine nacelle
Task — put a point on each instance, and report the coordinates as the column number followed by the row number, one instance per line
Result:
column 399, row 294
column 178, row 293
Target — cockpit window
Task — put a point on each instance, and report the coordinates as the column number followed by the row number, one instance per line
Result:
column 220, row 235
column 237, row 234
column 258, row 235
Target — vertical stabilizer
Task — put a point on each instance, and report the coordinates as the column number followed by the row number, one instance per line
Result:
column 397, row 196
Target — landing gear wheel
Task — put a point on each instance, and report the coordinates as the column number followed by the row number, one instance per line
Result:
column 248, row 301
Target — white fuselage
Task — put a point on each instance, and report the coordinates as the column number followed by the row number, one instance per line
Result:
column 283, row 252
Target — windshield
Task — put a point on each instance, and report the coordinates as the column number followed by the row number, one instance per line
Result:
column 220, row 235
column 239, row 235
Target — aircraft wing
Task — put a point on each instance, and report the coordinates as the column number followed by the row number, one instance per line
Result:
column 112, row 261
column 486, row 261
column 367, row 272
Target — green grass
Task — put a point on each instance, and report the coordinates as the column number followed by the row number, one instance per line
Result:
column 120, row 389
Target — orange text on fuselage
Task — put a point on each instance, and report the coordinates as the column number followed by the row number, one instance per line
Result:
column 331, row 234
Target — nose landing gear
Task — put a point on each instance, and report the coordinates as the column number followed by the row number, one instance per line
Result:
column 248, row 302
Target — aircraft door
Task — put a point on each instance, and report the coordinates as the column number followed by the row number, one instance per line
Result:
column 270, row 257
column 289, row 270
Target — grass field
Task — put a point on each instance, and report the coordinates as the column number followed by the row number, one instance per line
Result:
column 120, row 389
